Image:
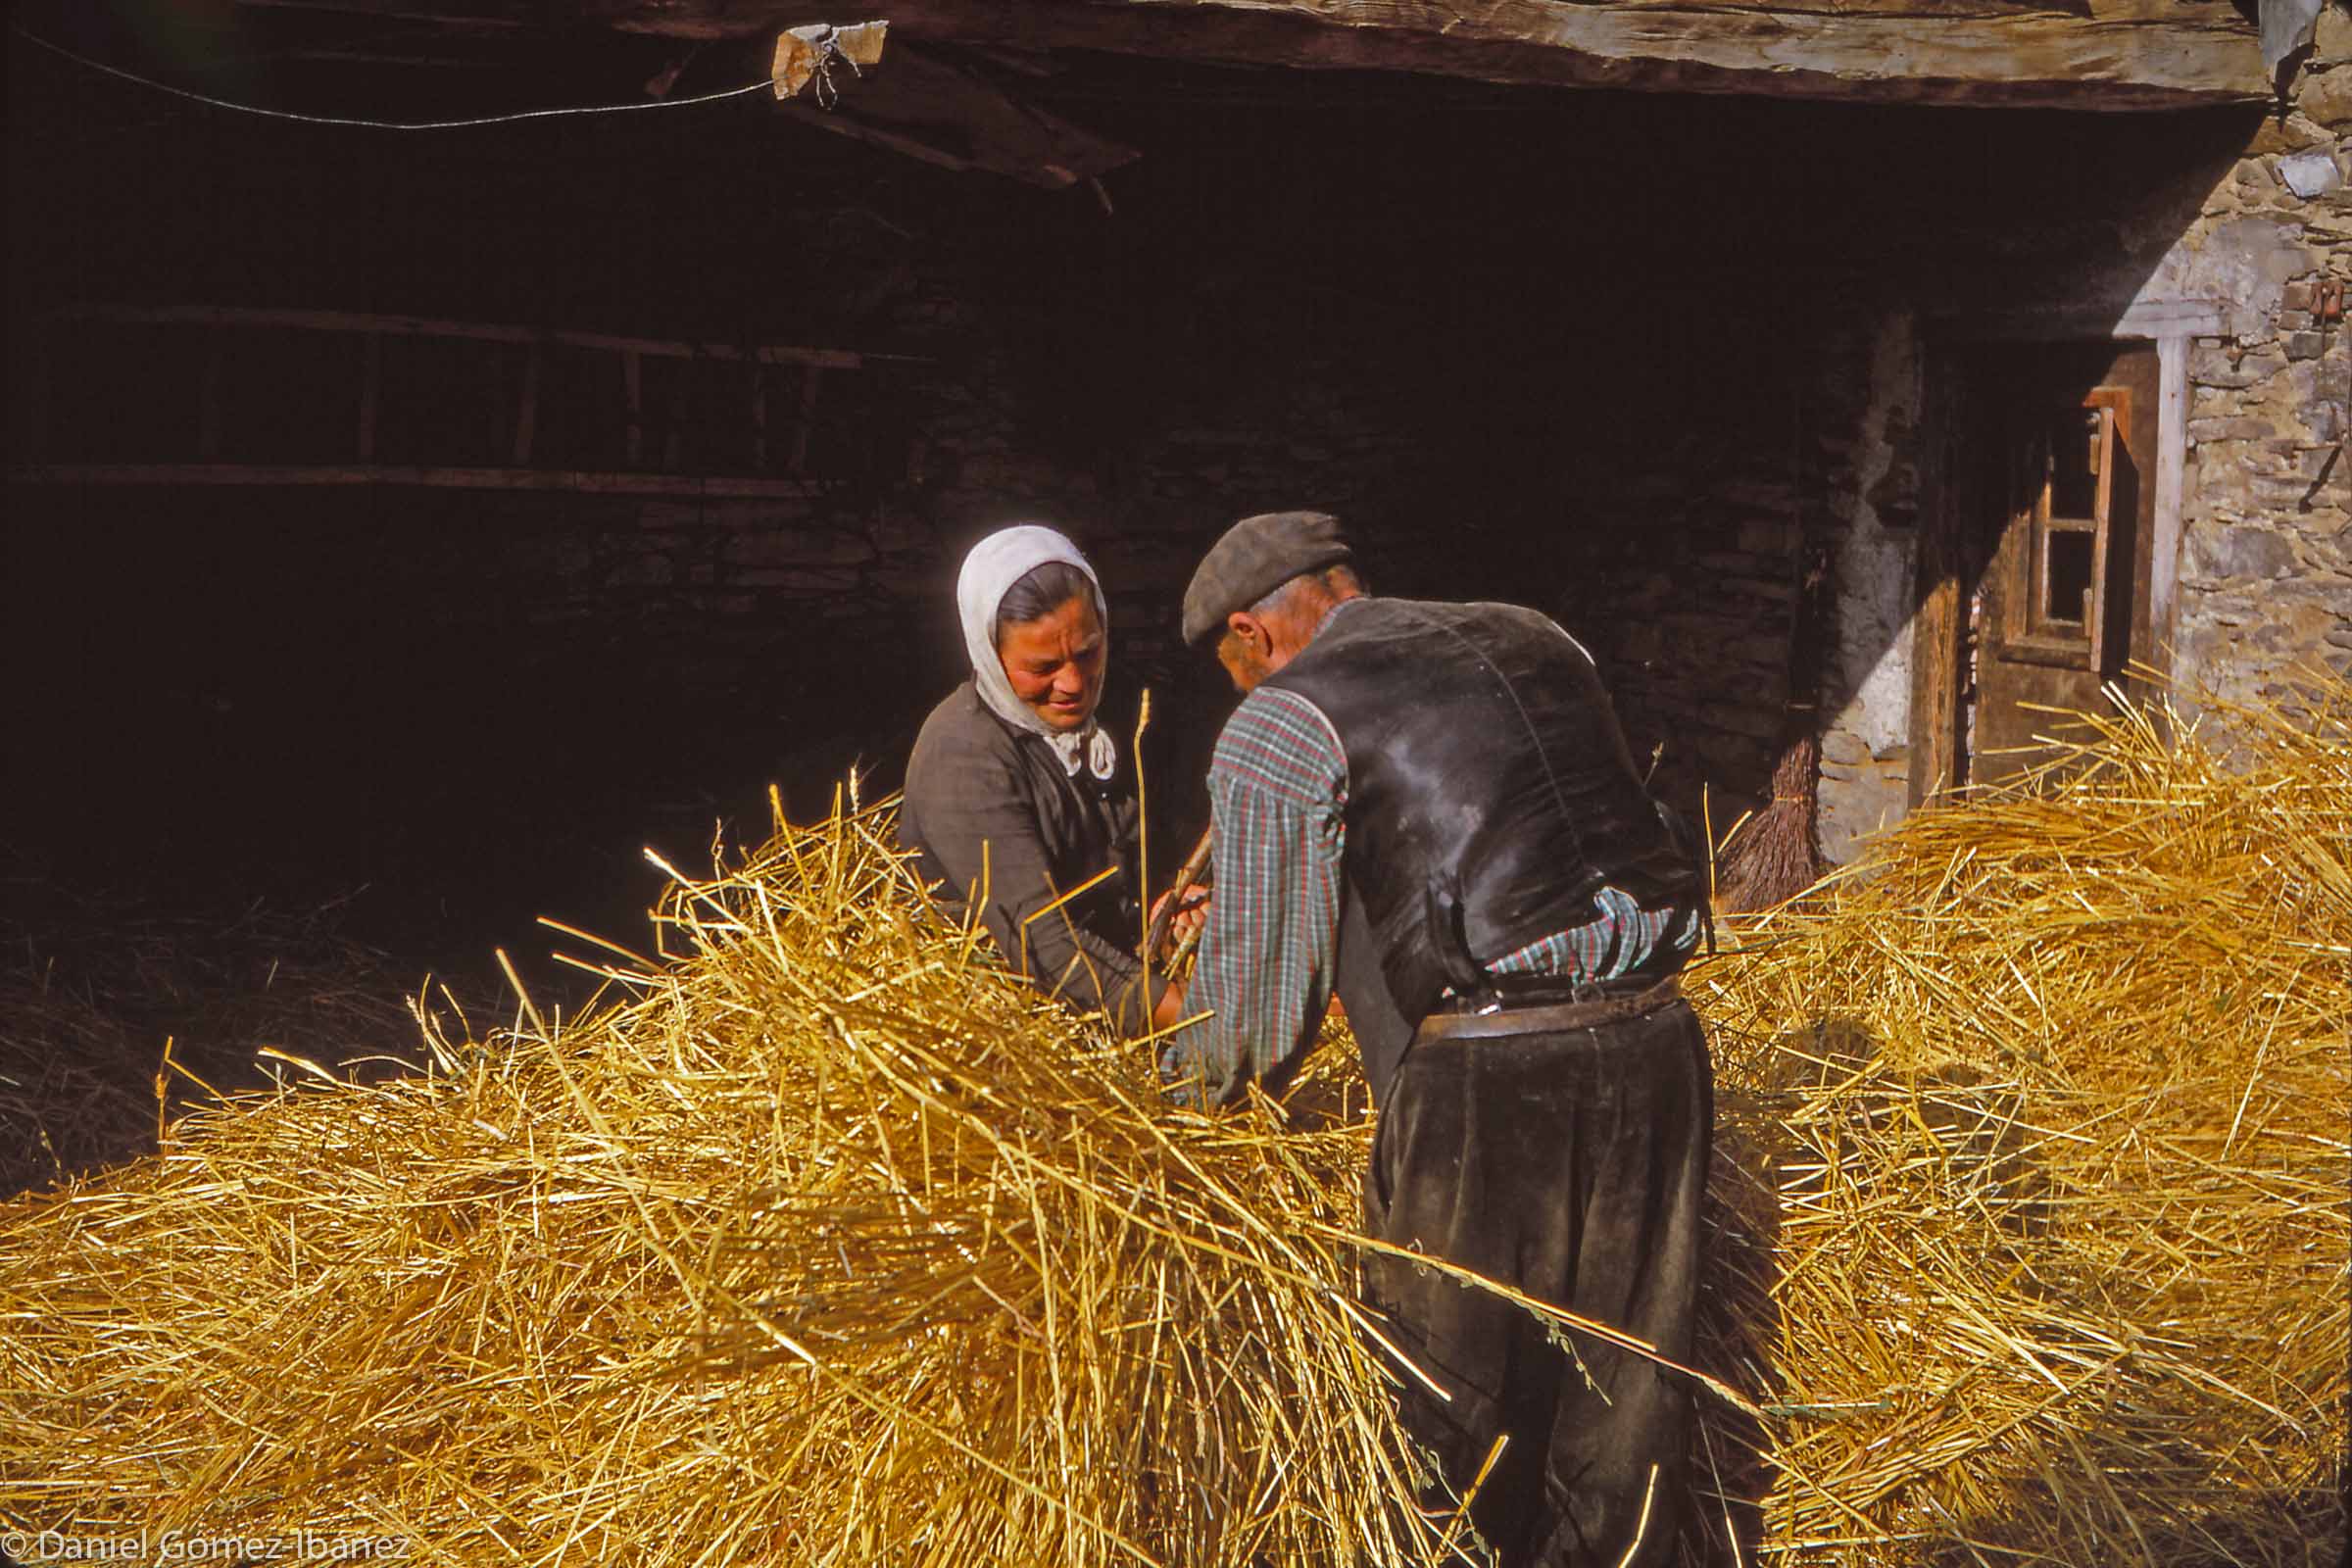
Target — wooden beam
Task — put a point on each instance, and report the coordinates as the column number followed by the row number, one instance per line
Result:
column 2103, row 54
column 579, row 481
column 939, row 112
column 481, row 15
column 2151, row 319
column 2088, row 53
column 484, row 331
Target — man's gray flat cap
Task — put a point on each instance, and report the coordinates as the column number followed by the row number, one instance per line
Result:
column 1258, row 555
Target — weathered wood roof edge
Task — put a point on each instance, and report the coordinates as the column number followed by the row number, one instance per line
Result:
column 2087, row 55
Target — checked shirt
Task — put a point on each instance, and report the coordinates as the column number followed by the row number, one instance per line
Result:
column 1278, row 801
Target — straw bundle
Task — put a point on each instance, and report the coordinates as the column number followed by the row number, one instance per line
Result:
column 2033, row 1167
column 834, row 1246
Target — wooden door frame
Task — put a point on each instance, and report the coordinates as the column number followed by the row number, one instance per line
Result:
column 2169, row 325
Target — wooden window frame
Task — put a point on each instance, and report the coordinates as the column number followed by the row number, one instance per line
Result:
column 2030, row 632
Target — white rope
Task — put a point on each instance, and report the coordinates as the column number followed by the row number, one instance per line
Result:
column 387, row 124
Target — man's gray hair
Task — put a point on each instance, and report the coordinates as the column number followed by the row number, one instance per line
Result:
column 1331, row 578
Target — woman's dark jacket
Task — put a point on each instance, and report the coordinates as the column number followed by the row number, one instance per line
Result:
column 975, row 780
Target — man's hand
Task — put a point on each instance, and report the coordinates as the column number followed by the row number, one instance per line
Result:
column 1192, row 913
column 1168, row 1010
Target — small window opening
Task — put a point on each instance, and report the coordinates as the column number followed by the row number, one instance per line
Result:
column 2068, row 575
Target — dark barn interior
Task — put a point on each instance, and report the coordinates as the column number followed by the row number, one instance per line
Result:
column 1602, row 353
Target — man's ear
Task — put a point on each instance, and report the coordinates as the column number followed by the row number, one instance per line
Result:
column 1254, row 632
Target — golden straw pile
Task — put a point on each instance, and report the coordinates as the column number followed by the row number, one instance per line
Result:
column 2033, row 1166
column 834, row 1246
column 830, row 1245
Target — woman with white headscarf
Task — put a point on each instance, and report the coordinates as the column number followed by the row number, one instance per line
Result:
column 1016, row 795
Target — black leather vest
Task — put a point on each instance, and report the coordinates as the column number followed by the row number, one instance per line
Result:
column 1489, row 795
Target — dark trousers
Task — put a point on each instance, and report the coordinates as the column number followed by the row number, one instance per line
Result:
column 1570, row 1165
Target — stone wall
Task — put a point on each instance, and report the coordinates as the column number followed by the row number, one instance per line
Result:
column 2259, row 227
column 2266, row 570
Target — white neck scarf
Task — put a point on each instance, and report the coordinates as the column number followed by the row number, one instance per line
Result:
column 993, row 565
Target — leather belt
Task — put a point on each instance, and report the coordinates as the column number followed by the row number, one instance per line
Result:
column 1550, row 1017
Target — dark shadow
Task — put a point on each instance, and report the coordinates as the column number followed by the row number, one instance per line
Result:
column 95, row 985
column 1730, row 1465
column 1767, row 1166
column 1740, row 1326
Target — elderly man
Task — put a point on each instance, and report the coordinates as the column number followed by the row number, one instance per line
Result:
column 1430, row 809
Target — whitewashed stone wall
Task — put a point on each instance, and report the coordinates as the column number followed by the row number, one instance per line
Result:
column 1865, row 748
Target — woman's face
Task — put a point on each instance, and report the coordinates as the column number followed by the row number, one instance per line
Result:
column 1055, row 663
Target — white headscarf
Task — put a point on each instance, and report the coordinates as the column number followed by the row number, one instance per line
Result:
column 993, row 565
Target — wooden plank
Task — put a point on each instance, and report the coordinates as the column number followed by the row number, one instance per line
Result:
column 741, row 17
column 2169, row 317
column 938, row 111
column 2053, row 324
column 2097, row 611
column 499, row 434
column 632, row 386
column 2107, row 55
column 485, row 331
column 1936, row 623
column 371, row 380
column 579, row 482
column 759, row 418
column 527, row 414
column 484, row 16
column 681, row 405
column 33, row 429
column 808, row 419
column 207, row 397
column 2136, row 368
column 906, row 146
